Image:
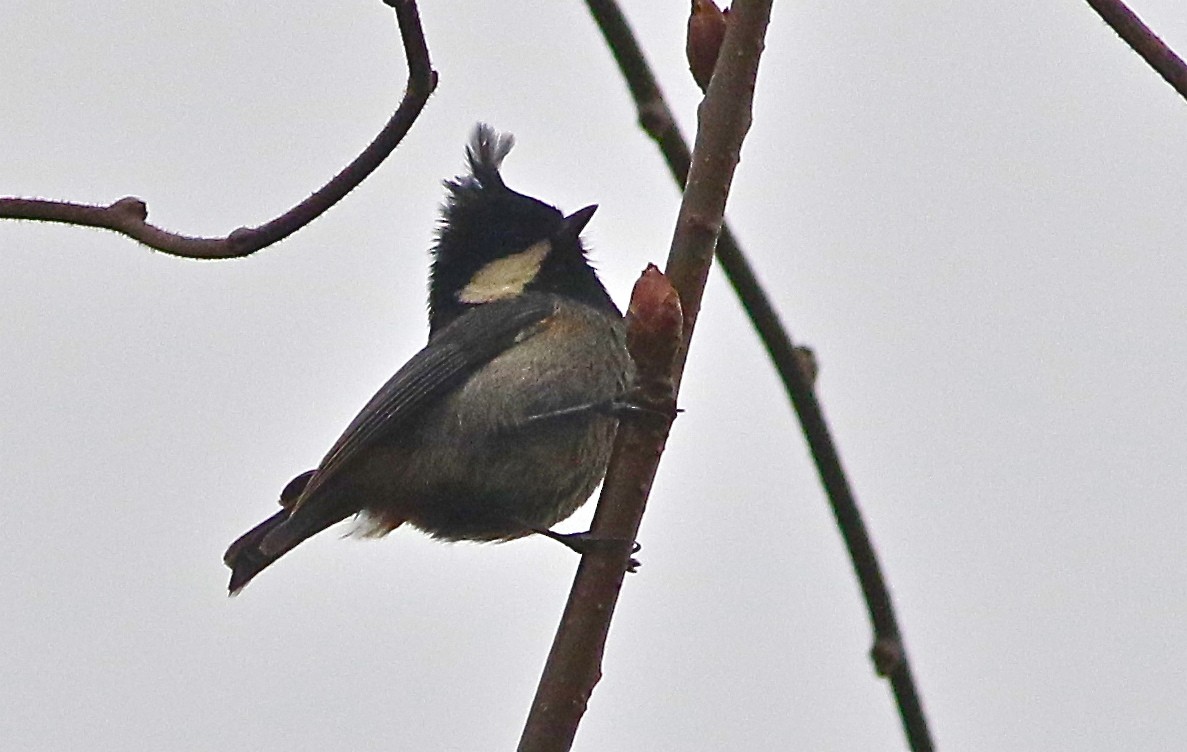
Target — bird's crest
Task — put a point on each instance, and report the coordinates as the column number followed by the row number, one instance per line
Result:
column 485, row 153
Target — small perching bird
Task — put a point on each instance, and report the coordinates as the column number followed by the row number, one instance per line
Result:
column 502, row 425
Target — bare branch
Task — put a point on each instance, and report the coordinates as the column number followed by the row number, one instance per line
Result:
column 574, row 663
column 128, row 215
column 1144, row 42
column 657, row 120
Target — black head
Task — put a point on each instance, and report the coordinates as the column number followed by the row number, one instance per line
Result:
column 494, row 243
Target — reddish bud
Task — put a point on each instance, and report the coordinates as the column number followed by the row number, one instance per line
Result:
column 654, row 321
column 706, row 30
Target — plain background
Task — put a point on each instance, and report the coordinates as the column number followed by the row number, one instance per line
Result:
column 974, row 212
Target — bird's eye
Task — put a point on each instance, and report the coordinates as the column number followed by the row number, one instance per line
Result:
column 505, row 277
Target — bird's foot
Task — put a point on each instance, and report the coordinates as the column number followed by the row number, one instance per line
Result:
column 587, row 542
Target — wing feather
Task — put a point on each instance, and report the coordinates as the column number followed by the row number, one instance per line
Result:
column 445, row 363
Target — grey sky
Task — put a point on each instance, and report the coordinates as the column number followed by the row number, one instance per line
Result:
column 972, row 211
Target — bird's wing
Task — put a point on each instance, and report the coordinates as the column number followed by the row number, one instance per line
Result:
column 455, row 353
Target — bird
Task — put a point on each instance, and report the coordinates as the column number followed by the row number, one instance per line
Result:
column 502, row 425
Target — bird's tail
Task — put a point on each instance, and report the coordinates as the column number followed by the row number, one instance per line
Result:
column 252, row 554
column 244, row 556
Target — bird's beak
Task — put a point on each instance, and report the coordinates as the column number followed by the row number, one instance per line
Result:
column 573, row 224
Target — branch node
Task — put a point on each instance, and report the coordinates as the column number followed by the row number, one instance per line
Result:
column 129, row 208
column 806, row 359
column 243, row 238
column 887, row 655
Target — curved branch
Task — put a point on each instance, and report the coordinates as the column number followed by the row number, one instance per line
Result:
column 128, row 215
column 658, row 341
column 1144, row 41
column 888, row 652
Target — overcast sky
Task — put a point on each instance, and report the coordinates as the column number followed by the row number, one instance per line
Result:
column 974, row 212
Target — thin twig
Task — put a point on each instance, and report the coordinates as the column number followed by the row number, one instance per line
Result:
column 574, row 663
column 1144, row 41
column 128, row 215
column 656, row 118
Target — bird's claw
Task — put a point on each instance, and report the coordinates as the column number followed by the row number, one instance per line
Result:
column 587, row 542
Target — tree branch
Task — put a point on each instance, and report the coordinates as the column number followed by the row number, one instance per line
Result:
column 128, row 215
column 574, row 663
column 656, row 119
column 1144, row 42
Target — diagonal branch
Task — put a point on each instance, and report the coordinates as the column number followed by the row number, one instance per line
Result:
column 128, row 215
column 1144, row 41
column 888, row 652
column 574, row 663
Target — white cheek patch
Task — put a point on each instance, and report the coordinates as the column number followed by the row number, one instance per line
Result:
column 505, row 277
